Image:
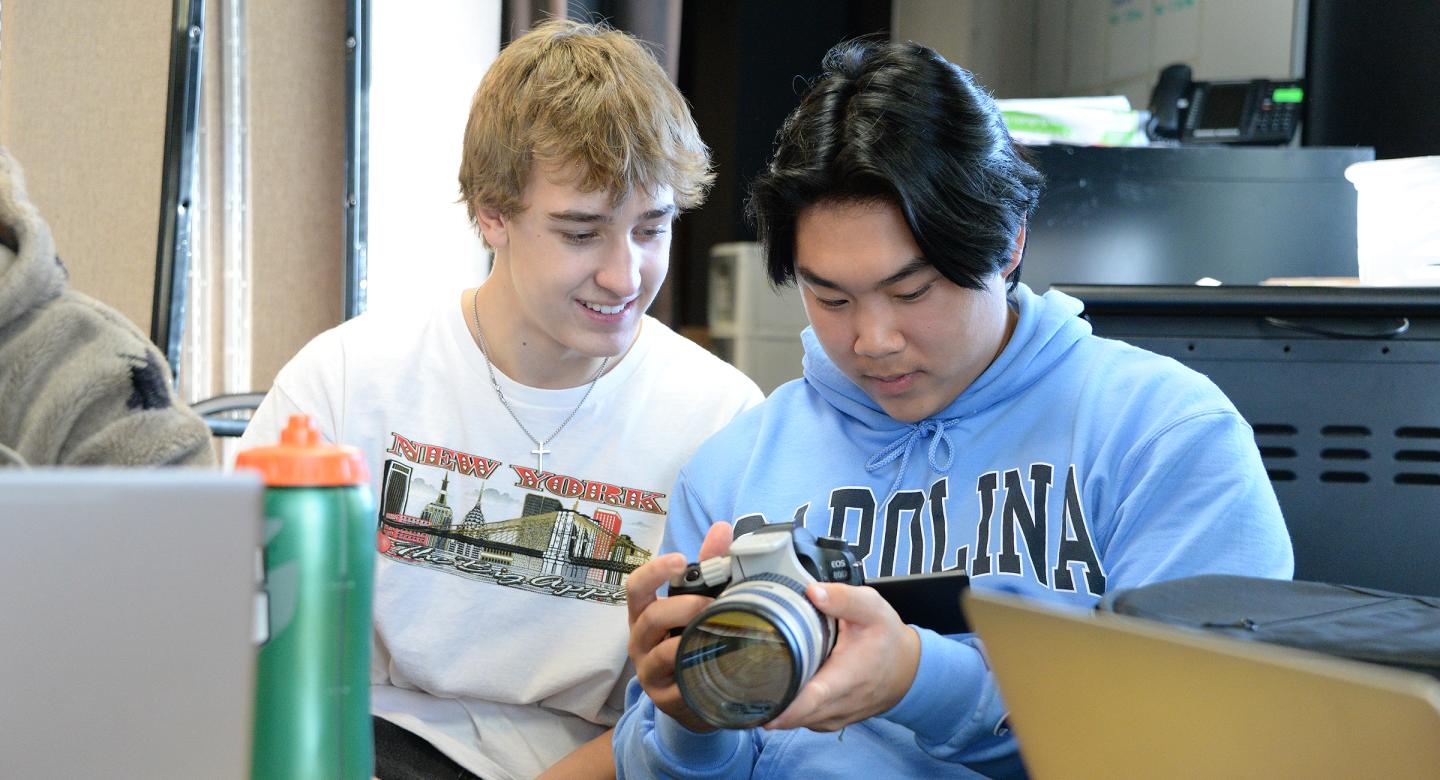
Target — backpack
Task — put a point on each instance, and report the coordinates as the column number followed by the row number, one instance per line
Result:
column 1352, row 622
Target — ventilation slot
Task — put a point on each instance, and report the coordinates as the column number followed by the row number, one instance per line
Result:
column 1345, row 430
column 1418, row 456
column 1277, row 452
column 1280, row 475
column 1337, row 453
column 1344, row 476
column 1274, row 429
column 1417, row 432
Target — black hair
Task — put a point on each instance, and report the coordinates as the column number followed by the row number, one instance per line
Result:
column 897, row 123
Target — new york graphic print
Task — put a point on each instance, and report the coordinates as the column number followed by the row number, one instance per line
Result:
column 511, row 525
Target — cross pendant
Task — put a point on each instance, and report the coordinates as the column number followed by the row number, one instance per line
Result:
column 539, row 452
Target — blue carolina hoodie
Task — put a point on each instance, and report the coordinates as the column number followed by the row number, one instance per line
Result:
column 1073, row 465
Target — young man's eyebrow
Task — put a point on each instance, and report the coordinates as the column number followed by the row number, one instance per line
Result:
column 911, row 268
column 580, row 216
column 815, row 280
column 915, row 266
column 590, row 217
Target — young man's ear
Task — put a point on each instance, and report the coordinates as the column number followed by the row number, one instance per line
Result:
column 493, row 226
column 1016, row 252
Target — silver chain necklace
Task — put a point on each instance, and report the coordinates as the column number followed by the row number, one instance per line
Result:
column 539, row 452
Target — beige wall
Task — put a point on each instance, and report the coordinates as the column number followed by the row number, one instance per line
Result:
column 1051, row 48
column 82, row 106
column 297, row 151
column 993, row 39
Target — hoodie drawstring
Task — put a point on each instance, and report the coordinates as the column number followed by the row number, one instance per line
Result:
column 900, row 448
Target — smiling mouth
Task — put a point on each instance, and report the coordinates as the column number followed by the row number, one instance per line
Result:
column 595, row 307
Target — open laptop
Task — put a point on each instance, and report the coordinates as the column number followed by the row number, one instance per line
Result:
column 1109, row 696
column 128, row 603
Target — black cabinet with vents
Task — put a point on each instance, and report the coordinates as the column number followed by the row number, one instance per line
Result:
column 1340, row 385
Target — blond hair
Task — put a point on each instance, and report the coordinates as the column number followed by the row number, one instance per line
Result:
column 583, row 94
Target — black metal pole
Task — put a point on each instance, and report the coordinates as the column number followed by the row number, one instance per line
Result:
column 182, row 114
column 357, row 155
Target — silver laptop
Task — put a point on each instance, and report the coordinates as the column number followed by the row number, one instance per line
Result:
column 1096, row 695
column 128, row 602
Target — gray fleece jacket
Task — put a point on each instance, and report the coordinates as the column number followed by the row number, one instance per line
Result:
column 79, row 384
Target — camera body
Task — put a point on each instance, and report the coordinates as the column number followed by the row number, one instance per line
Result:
column 779, row 549
column 743, row 659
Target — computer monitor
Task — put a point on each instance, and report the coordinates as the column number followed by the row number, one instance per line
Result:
column 1173, row 215
column 1339, row 385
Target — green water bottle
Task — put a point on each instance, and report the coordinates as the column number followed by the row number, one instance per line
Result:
column 312, row 686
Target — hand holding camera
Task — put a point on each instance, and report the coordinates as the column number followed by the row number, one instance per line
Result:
column 653, row 622
column 870, row 670
column 787, row 604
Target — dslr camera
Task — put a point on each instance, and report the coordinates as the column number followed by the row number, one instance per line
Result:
column 744, row 658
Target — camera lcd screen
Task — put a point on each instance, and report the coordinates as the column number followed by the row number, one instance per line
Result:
column 1222, row 107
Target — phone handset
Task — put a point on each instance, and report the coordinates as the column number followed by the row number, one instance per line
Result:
column 1169, row 102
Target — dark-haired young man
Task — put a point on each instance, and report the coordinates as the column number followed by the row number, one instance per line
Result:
column 949, row 418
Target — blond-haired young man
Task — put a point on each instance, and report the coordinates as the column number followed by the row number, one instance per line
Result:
column 524, row 435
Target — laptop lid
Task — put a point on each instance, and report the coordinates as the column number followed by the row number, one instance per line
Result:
column 1102, row 695
column 128, row 600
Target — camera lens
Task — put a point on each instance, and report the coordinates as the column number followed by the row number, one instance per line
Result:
column 743, row 659
column 738, row 666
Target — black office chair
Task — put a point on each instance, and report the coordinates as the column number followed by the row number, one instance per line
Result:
column 217, row 412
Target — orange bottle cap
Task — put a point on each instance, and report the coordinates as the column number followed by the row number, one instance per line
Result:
column 301, row 459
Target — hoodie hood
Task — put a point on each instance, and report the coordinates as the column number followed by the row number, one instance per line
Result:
column 1047, row 328
column 30, row 273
